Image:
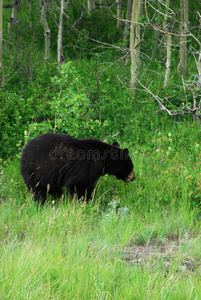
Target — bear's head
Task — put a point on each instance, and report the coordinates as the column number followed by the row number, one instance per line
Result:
column 121, row 165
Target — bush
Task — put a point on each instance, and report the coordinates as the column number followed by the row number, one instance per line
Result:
column 18, row 110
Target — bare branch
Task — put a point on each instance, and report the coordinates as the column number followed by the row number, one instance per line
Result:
column 195, row 111
column 157, row 28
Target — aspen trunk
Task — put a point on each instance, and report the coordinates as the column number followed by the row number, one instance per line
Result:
column 134, row 41
column 182, row 66
column 30, row 5
column 168, row 46
column 91, row 5
column 1, row 29
column 118, row 14
column 199, row 70
column 13, row 18
column 60, row 57
column 127, row 25
column 156, row 34
column 168, row 60
column 46, row 30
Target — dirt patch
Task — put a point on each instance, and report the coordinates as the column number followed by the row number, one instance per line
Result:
column 170, row 251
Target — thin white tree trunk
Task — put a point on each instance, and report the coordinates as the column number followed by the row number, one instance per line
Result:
column 134, row 41
column 168, row 60
column 118, row 14
column 30, row 7
column 13, row 18
column 182, row 66
column 1, row 29
column 199, row 71
column 60, row 58
column 156, row 34
column 91, row 5
column 128, row 17
column 46, row 30
column 168, row 46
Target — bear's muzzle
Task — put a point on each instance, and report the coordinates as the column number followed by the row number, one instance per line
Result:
column 130, row 177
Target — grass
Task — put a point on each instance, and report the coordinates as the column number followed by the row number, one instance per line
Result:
column 63, row 253
column 136, row 241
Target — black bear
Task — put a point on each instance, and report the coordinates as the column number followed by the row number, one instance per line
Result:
column 53, row 160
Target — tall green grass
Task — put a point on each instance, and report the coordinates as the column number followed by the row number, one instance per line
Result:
column 64, row 253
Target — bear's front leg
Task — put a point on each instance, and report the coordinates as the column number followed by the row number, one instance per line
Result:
column 81, row 191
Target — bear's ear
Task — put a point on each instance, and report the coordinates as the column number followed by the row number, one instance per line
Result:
column 126, row 152
column 116, row 144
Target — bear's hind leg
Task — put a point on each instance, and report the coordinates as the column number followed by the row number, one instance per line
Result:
column 71, row 190
column 84, row 192
column 89, row 192
column 39, row 196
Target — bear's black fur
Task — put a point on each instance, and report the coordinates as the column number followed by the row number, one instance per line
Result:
column 53, row 160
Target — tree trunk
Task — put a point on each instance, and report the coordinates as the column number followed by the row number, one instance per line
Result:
column 1, row 28
column 118, row 14
column 156, row 34
column 46, row 30
column 168, row 60
column 13, row 18
column 60, row 57
column 135, row 41
column 91, row 5
column 199, row 71
column 30, row 6
column 182, row 66
column 127, row 25
column 168, row 46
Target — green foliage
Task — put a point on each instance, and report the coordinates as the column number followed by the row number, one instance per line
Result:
column 73, row 112
column 78, row 106
column 68, row 108
column 18, row 110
